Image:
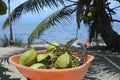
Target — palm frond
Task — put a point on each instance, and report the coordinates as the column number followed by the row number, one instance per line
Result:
column 31, row 5
column 79, row 14
column 51, row 20
column 118, row 1
column 69, row 44
column 93, row 32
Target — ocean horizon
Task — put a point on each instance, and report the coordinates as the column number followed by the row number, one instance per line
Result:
column 60, row 33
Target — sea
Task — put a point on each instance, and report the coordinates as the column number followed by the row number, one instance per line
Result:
column 61, row 33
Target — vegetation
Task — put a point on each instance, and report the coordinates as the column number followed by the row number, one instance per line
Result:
column 5, row 41
column 3, row 10
column 11, row 41
column 55, row 57
column 96, row 14
column 3, row 7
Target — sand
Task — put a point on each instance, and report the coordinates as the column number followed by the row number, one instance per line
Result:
column 100, row 69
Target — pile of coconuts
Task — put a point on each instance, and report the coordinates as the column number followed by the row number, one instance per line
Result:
column 55, row 57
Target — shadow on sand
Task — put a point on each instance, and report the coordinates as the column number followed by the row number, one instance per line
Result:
column 100, row 67
column 4, row 76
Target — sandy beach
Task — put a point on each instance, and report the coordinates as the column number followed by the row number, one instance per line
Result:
column 102, row 68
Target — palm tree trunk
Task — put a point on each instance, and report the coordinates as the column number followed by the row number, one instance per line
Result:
column 103, row 21
column 10, row 25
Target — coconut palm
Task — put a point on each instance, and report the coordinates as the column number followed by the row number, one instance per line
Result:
column 10, row 25
column 3, row 10
column 96, row 14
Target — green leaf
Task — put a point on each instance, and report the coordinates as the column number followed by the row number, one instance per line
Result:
column 79, row 14
column 3, row 7
column 118, row 1
column 31, row 6
column 51, row 20
column 69, row 44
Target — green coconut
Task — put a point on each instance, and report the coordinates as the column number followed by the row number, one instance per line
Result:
column 43, row 58
column 63, row 61
column 28, row 57
column 37, row 65
column 52, row 46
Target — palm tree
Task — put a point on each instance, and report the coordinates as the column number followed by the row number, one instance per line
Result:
column 96, row 14
column 10, row 25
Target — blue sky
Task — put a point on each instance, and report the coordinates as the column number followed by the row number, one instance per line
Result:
column 29, row 16
column 42, row 15
column 36, row 18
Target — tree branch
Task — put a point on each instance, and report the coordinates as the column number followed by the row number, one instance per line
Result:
column 115, row 7
column 115, row 20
